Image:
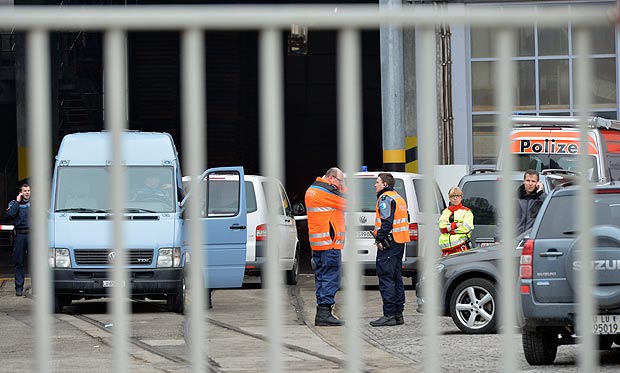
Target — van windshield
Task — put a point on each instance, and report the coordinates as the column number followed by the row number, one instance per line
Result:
column 568, row 162
column 87, row 188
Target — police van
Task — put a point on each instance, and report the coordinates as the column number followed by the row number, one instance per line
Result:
column 553, row 142
column 409, row 186
column 81, row 251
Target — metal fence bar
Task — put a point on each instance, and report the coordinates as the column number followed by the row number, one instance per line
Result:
column 116, row 122
column 586, row 307
column 350, row 156
column 246, row 17
column 270, row 20
column 272, row 166
column 505, row 93
column 193, row 131
column 429, row 150
column 39, row 123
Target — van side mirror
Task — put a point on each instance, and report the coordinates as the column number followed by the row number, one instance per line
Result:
column 299, row 209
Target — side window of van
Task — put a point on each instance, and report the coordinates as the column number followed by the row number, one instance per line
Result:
column 614, row 166
column 250, row 197
column 439, row 204
column 288, row 211
column 223, row 198
column 280, row 209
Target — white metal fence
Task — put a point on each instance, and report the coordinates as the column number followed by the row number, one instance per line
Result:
column 115, row 22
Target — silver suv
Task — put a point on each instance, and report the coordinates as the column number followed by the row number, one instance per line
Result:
column 548, row 273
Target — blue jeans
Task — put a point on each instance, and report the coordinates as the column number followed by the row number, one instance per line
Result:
column 326, row 275
column 19, row 259
column 390, row 274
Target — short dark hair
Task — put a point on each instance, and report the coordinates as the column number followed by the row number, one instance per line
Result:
column 24, row 185
column 531, row 172
column 387, row 178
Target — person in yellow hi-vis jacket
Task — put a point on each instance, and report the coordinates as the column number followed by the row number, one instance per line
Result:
column 455, row 224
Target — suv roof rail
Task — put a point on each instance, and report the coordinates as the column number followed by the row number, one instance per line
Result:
column 482, row 170
column 560, row 121
column 557, row 171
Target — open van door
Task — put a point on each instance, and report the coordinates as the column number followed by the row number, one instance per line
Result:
column 223, row 218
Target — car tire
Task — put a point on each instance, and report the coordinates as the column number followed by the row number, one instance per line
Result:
column 60, row 301
column 176, row 302
column 471, row 315
column 540, row 348
column 605, row 342
column 292, row 275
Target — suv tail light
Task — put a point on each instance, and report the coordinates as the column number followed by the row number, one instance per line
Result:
column 413, row 231
column 525, row 267
column 261, row 232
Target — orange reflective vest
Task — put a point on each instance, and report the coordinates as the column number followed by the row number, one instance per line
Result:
column 325, row 205
column 400, row 224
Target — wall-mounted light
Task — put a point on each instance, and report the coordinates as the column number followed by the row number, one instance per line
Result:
column 298, row 41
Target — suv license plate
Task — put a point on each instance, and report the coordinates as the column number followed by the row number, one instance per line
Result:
column 110, row 284
column 606, row 324
column 363, row 234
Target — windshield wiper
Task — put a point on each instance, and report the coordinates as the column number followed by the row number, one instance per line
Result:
column 82, row 209
column 139, row 210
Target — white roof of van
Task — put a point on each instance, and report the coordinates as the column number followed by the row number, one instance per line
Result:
column 396, row 174
column 562, row 121
column 138, row 148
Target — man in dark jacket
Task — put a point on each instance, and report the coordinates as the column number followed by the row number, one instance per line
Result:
column 531, row 196
column 18, row 210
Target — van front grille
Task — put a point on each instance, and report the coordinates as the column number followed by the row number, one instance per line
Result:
column 106, row 257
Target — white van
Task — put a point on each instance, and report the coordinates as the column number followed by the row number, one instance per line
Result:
column 408, row 186
column 257, row 218
column 553, row 142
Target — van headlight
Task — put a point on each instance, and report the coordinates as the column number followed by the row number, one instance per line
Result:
column 59, row 258
column 169, row 257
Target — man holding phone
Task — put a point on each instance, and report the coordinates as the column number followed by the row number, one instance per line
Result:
column 19, row 210
column 531, row 196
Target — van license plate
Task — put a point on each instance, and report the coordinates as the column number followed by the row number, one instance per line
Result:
column 606, row 324
column 363, row 234
column 110, row 284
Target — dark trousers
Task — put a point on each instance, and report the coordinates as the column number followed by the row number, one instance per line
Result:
column 390, row 274
column 19, row 259
column 326, row 275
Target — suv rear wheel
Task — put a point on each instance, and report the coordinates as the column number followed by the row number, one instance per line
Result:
column 540, row 348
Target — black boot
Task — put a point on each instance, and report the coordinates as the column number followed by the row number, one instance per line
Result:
column 385, row 321
column 324, row 316
column 400, row 320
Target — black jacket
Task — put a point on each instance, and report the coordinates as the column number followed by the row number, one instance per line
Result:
column 19, row 212
column 527, row 208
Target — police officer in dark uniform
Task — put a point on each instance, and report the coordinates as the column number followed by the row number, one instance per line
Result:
column 391, row 233
column 19, row 210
